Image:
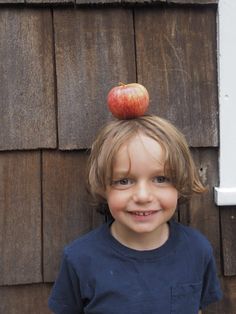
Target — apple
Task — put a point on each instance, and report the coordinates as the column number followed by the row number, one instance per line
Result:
column 128, row 101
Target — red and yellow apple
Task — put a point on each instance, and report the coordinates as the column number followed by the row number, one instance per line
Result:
column 128, row 101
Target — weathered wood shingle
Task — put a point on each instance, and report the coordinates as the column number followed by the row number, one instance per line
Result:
column 228, row 227
column 20, row 218
column 201, row 212
column 94, row 51
column 105, row 2
column 67, row 211
column 177, row 63
column 193, row 1
column 27, row 107
column 24, row 299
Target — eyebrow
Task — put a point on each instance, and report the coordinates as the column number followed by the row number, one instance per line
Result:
column 120, row 173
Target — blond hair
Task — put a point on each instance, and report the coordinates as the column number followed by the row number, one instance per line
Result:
column 179, row 165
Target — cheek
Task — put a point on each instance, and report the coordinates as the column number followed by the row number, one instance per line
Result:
column 111, row 199
column 116, row 201
column 170, row 198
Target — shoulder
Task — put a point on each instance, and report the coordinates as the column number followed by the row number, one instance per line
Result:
column 191, row 235
column 86, row 244
column 193, row 239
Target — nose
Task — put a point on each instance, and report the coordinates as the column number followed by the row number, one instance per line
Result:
column 142, row 193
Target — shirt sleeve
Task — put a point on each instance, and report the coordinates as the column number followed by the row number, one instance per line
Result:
column 211, row 286
column 65, row 297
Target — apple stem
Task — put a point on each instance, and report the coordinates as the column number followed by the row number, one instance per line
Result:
column 121, row 84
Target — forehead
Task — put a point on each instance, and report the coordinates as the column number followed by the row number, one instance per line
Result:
column 139, row 151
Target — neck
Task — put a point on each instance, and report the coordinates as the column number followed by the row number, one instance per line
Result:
column 142, row 241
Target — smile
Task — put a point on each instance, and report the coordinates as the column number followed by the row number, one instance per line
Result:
column 145, row 213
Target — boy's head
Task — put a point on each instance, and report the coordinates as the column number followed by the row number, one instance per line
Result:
column 179, row 166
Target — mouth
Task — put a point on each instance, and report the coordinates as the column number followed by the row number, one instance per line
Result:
column 144, row 213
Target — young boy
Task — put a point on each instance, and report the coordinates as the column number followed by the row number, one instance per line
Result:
column 141, row 261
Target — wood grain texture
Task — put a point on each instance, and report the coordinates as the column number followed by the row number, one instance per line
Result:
column 110, row 1
column 228, row 231
column 201, row 212
column 67, row 212
column 98, row 1
column 94, row 51
column 20, row 218
column 118, row 1
column 27, row 85
column 228, row 304
column 25, row 299
column 229, row 300
column 193, row 1
column 51, row 2
column 143, row 2
column 11, row 1
column 176, row 61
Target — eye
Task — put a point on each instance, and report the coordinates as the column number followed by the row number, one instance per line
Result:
column 161, row 179
column 122, row 182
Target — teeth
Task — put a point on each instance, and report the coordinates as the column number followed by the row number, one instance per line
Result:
column 143, row 213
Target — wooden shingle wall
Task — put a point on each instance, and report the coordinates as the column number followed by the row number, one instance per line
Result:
column 105, row 2
column 56, row 66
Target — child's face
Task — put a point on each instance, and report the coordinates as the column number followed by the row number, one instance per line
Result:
column 141, row 199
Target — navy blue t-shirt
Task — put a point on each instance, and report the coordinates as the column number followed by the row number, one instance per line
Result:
column 99, row 275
